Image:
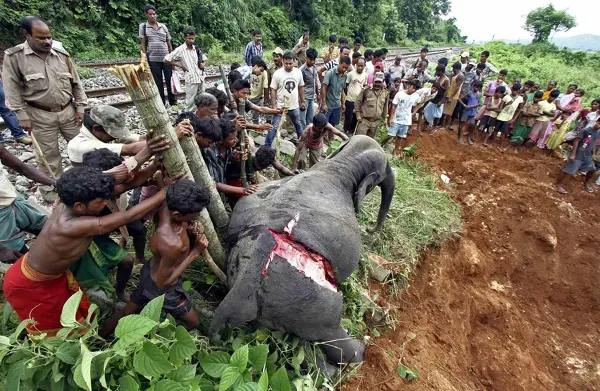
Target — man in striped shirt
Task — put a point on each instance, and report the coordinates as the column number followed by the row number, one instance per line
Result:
column 156, row 44
column 254, row 47
column 186, row 56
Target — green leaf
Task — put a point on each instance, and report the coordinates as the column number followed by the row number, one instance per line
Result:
column 69, row 311
column 41, row 375
column 183, row 374
column 247, row 387
column 280, row 380
column 103, row 375
column 258, row 356
column 239, row 359
column 6, row 312
column 262, row 335
column 169, row 385
column 304, row 383
column 68, row 352
column 78, row 377
column 128, row 383
column 376, row 333
column 4, row 341
column 131, row 329
column 150, row 361
column 407, row 373
column 58, row 385
column 86, row 365
column 263, row 382
column 153, row 309
column 229, row 377
column 93, row 308
column 184, row 348
column 187, row 286
column 215, row 364
column 13, row 377
column 20, row 329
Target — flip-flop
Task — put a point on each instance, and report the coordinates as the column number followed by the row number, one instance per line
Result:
column 588, row 188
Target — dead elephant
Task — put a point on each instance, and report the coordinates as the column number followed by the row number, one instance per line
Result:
column 295, row 240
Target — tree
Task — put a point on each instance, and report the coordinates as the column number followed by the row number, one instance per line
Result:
column 541, row 22
column 420, row 16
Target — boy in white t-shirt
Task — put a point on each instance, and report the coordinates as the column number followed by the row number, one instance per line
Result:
column 287, row 91
column 403, row 109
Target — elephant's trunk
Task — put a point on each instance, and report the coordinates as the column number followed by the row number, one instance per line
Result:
column 387, row 193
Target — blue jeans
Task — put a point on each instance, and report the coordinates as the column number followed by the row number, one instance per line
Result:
column 307, row 115
column 10, row 118
column 334, row 115
column 256, row 114
column 294, row 116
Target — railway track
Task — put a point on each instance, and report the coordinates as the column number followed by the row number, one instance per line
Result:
column 209, row 80
column 123, row 105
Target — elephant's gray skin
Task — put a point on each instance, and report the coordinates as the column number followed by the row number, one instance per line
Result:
column 326, row 198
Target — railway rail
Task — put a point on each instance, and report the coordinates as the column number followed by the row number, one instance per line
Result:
column 210, row 79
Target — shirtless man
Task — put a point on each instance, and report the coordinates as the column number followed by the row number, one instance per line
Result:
column 173, row 251
column 66, row 236
column 312, row 140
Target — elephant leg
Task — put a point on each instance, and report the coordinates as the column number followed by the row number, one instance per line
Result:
column 342, row 348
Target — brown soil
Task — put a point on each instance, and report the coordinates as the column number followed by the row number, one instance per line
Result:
column 514, row 303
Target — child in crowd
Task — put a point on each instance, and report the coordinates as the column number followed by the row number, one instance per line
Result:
column 581, row 158
column 493, row 108
column 538, row 130
column 425, row 95
column 402, row 113
column 470, row 103
column 531, row 111
column 559, row 132
column 311, row 142
column 511, row 103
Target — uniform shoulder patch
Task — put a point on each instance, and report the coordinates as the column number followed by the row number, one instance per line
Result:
column 14, row 49
column 61, row 51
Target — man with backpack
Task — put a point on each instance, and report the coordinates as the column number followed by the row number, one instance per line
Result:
column 189, row 58
column 156, row 44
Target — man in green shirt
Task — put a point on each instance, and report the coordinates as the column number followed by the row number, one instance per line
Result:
column 333, row 96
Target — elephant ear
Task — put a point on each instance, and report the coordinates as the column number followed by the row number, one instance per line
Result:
column 364, row 187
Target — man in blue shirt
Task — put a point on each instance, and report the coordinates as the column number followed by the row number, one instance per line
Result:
column 254, row 47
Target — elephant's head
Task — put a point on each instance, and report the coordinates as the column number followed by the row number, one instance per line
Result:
column 362, row 165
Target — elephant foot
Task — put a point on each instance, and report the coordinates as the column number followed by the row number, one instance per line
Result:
column 343, row 349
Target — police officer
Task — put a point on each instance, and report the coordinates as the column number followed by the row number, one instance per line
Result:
column 43, row 88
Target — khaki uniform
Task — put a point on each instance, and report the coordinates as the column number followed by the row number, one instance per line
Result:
column 46, row 92
column 370, row 107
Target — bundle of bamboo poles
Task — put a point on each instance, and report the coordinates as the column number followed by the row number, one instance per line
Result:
column 143, row 92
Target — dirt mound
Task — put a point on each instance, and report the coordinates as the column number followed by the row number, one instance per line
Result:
column 514, row 304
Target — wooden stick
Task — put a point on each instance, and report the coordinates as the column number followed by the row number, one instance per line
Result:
column 244, row 134
column 228, row 91
column 39, row 151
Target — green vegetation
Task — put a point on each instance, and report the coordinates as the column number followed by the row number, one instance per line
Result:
column 545, row 62
column 92, row 29
column 541, row 22
column 151, row 352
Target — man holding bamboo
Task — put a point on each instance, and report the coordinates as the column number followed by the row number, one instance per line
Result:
column 43, row 88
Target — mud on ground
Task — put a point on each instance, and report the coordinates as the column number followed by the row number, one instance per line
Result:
column 514, row 303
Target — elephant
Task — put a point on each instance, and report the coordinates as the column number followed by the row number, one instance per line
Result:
column 295, row 240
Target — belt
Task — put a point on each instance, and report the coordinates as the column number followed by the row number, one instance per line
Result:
column 56, row 109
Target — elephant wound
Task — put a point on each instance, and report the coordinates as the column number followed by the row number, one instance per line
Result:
column 306, row 261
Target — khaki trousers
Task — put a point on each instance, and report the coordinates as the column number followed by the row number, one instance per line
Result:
column 368, row 127
column 191, row 90
column 46, row 126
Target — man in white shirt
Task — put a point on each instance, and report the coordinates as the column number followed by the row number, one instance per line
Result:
column 355, row 82
column 287, row 92
column 189, row 58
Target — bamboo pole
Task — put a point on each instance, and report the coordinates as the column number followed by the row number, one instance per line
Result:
column 195, row 161
column 242, row 111
column 232, row 102
column 144, row 94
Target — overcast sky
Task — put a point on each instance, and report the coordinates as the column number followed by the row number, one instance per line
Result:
column 504, row 19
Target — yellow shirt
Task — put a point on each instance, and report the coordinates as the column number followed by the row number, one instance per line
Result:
column 546, row 107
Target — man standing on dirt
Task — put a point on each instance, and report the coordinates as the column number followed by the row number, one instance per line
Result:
column 189, row 58
column 156, row 44
column 580, row 159
column 43, row 89
column 371, row 106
